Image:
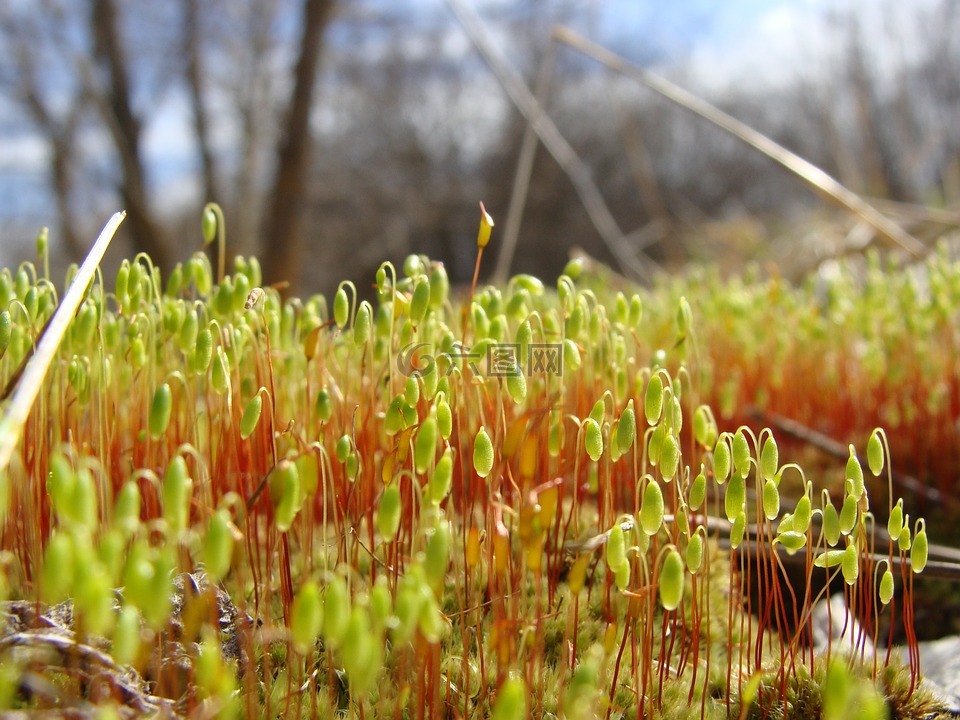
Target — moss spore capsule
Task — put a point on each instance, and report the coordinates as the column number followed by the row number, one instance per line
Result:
column 483, row 455
column 160, row 410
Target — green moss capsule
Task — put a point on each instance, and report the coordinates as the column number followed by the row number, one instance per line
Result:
column 420, row 300
column 741, row 454
column 695, row 553
column 592, row 439
column 627, row 428
column 652, row 509
column 671, row 580
column 126, row 508
column 285, row 493
column 653, row 399
column 341, row 307
column 437, row 555
column 306, row 617
column 176, row 491
column 669, row 457
column 323, row 408
column 160, row 410
column 771, row 499
column 831, row 524
column 336, row 611
column 850, row 564
column 220, row 374
column 482, row 453
column 59, row 568
column 735, row 497
column 769, row 459
column 362, row 324
column 85, row 326
column 683, row 318
column 698, row 490
column 217, row 549
column 425, row 445
column 208, row 225
column 848, row 514
column 854, row 474
column 511, row 701
column 738, row 529
column 203, row 351
column 439, row 285
column 251, row 416
column 920, row 549
column 875, row 453
column 615, row 551
column 444, row 418
column 389, row 513
column 895, row 522
column 802, row 514
column 886, row 587
column 830, row 558
column 441, row 481
column 517, row 385
column 722, row 460
column 791, row 540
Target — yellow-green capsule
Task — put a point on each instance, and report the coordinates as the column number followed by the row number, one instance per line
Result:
column 126, row 636
column 208, row 225
column 420, row 300
column 482, row 453
column 698, row 490
column 362, row 324
column 220, row 375
column 59, row 568
column 735, row 497
column 848, row 514
column 721, row 460
column 741, row 454
column 669, row 456
column 218, row 546
column 440, row 482
column 875, row 453
column 85, row 326
column 336, row 611
column 389, row 513
column 285, row 494
column 895, row 522
column 886, row 587
column 831, row 524
column 511, row 701
column 306, row 617
column 341, row 308
column 444, row 418
column 251, row 416
column 627, row 428
column 126, row 508
column 176, row 491
column 830, row 558
column 615, row 552
column 771, row 499
column 517, row 385
column 323, row 408
column 769, row 459
column 439, row 285
column 160, row 411
column 695, row 553
column 738, row 529
column 203, row 351
column 437, row 555
column 671, row 580
column 920, row 548
column 653, row 399
column 592, row 439
column 425, row 445
column 854, row 474
column 791, row 540
column 850, row 564
column 651, row 509
column 802, row 514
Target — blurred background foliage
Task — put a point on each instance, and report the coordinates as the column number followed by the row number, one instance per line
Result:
column 338, row 133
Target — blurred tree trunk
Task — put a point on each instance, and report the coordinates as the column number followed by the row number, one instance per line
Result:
column 60, row 132
column 282, row 246
column 125, row 129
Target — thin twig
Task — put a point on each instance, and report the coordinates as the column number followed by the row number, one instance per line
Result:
column 813, row 176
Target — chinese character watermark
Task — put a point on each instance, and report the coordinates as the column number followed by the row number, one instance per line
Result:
column 502, row 359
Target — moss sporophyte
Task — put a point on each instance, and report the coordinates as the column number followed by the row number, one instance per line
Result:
column 433, row 506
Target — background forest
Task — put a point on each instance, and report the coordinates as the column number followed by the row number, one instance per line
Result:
column 337, row 134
